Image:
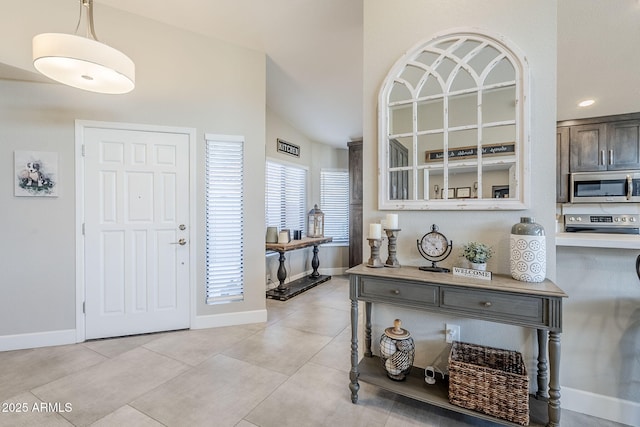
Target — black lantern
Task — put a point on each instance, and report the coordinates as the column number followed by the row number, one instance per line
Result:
column 315, row 222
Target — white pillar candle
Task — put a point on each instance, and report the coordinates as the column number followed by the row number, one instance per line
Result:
column 392, row 221
column 375, row 231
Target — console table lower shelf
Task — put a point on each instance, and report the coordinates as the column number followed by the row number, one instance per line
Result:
column 297, row 287
column 371, row 372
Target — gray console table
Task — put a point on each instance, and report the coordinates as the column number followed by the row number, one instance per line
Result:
column 503, row 300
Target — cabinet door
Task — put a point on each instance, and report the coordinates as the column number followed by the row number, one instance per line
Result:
column 562, row 163
column 623, row 145
column 588, row 148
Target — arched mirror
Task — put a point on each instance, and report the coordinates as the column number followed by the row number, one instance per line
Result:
column 453, row 128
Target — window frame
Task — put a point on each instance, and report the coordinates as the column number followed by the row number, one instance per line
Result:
column 231, row 266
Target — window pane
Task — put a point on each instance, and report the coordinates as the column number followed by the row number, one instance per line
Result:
column 334, row 202
column 224, row 221
column 285, row 197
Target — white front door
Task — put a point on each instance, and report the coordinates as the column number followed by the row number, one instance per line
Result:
column 136, row 207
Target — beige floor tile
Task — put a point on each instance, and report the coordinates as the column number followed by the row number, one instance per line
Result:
column 195, row 346
column 278, row 310
column 23, row 370
column 126, row 416
column 112, row 347
column 337, row 354
column 25, row 410
column 318, row 320
column 317, row 295
column 218, row 392
column 97, row 391
column 278, row 348
column 320, row 396
column 289, row 371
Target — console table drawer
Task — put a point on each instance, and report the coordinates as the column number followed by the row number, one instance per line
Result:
column 398, row 292
column 487, row 303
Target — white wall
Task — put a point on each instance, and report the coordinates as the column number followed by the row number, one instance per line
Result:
column 313, row 156
column 599, row 362
column 390, row 29
column 183, row 80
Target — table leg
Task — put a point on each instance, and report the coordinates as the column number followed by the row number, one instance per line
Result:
column 367, row 329
column 554, row 379
column 282, row 274
column 542, row 392
column 354, row 374
column 315, row 262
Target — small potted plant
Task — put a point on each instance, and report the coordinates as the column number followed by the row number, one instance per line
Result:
column 477, row 254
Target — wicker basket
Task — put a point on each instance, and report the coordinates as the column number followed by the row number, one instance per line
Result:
column 489, row 380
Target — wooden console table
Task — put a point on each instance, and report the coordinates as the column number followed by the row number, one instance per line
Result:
column 503, row 300
column 283, row 292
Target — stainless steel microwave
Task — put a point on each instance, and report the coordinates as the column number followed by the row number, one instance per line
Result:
column 605, row 187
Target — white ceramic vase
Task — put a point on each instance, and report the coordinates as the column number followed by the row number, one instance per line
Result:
column 528, row 258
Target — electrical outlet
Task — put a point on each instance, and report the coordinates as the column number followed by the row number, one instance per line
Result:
column 452, row 333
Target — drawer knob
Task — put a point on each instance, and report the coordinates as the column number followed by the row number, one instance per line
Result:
column 487, row 304
column 396, row 292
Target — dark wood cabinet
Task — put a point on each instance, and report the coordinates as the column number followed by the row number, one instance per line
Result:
column 596, row 144
column 562, row 162
column 355, row 202
column 623, row 145
column 398, row 180
column 587, row 146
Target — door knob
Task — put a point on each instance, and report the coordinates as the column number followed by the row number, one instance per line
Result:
column 180, row 242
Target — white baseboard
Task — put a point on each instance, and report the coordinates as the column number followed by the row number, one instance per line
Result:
column 38, row 339
column 597, row 405
column 65, row 337
column 229, row 319
column 333, row 271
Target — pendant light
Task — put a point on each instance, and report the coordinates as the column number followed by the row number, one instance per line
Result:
column 83, row 62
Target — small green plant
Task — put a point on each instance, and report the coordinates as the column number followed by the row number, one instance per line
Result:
column 476, row 252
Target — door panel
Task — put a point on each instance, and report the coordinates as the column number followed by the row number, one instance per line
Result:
column 588, row 148
column 136, row 199
column 624, row 145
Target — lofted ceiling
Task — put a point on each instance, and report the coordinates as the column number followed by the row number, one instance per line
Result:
column 314, row 55
column 313, row 47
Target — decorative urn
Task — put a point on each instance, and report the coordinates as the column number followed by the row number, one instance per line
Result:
column 528, row 259
column 397, row 351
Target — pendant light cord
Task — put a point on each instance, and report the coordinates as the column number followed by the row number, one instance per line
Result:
column 91, row 33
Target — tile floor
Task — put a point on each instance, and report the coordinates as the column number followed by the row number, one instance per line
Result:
column 290, row 371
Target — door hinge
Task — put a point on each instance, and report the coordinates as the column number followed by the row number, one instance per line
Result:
column 83, row 228
column 82, row 150
column 83, row 308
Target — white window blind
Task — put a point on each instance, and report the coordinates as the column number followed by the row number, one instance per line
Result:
column 334, row 202
column 224, row 220
column 286, row 196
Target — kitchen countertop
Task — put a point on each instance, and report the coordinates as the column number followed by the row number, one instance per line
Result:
column 598, row 240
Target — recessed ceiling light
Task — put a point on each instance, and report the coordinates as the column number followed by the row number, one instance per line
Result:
column 586, row 103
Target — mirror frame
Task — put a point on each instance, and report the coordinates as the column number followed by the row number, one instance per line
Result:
column 520, row 198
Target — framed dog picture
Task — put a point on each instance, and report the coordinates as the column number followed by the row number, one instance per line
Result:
column 36, row 173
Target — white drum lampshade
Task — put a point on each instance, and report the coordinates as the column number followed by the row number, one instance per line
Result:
column 83, row 62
